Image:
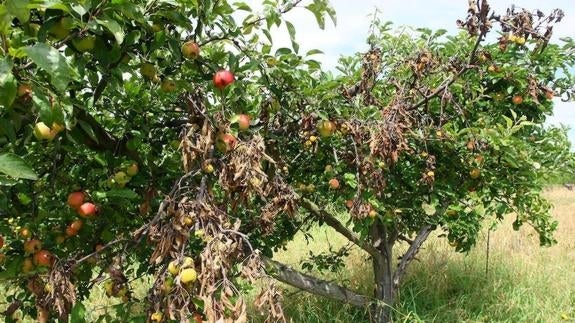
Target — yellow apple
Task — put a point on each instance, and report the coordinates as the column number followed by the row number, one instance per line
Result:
column 190, row 50
column 43, row 132
column 173, row 267
column 326, row 128
column 188, row 275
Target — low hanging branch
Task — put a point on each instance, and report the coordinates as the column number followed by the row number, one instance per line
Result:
column 313, row 285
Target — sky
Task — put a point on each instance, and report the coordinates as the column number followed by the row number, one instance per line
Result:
column 353, row 18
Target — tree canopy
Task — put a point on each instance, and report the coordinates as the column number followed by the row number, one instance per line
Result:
column 168, row 138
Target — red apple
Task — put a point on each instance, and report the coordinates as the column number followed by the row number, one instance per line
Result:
column 349, row 204
column 334, row 183
column 70, row 232
column 190, row 50
column 223, row 78
column 77, row 225
column 225, row 142
column 87, row 210
column 43, row 258
column 1, row 242
column 244, row 122
column 76, row 199
column 517, row 99
column 73, row 228
column 32, row 246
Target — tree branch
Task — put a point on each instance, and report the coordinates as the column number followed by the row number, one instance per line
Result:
column 330, row 220
column 454, row 78
column 105, row 141
column 313, row 285
column 409, row 255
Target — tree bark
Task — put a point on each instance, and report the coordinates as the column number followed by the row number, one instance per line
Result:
column 383, row 274
column 313, row 285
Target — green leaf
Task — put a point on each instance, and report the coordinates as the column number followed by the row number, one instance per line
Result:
column 318, row 15
column 42, row 102
column 5, row 19
column 114, row 28
column 19, row 9
column 7, row 181
column 51, row 60
column 350, row 180
column 291, row 30
column 88, row 129
column 49, row 4
column 8, row 86
column 122, row 194
column 8, row 129
column 14, row 166
column 242, row 6
column 313, row 52
column 78, row 313
column 81, row 9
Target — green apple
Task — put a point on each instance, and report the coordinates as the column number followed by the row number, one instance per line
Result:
column 121, row 178
column 84, row 44
column 62, row 28
column 168, row 85
column 148, row 70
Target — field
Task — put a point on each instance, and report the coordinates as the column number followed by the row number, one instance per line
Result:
column 525, row 283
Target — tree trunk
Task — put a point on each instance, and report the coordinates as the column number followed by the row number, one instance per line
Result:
column 383, row 274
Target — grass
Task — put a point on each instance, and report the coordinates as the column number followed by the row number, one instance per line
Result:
column 525, row 283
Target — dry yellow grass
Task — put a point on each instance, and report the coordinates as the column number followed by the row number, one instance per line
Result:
column 525, row 283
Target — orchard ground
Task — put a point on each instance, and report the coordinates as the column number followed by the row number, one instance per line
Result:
column 525, row 283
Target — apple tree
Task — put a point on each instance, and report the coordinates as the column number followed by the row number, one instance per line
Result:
column 133, row 142
column 171, row 139
column 428, row 131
